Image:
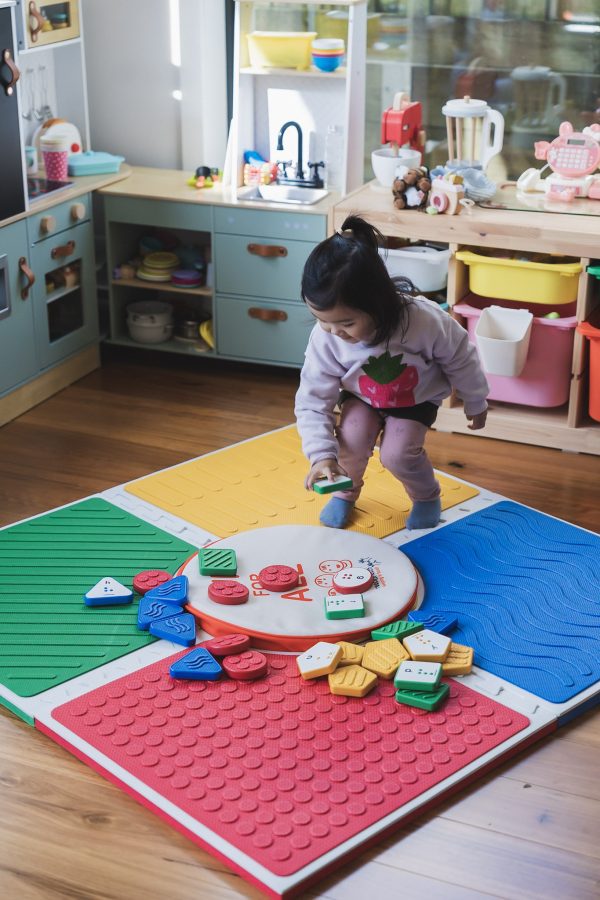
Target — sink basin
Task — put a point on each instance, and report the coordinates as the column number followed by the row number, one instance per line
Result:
column 282, row 193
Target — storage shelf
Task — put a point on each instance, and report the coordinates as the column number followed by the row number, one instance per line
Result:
column 566, row 427
column 161, row 286
column 171, row 346
column 293, row 73
column 62, row 292
column 526, row 425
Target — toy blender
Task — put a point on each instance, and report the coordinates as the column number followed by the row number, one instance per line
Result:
column 475, row 132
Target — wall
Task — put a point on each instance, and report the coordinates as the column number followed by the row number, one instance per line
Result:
column 131, row 81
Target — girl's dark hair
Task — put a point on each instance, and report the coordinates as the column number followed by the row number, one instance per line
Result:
column 347, row 268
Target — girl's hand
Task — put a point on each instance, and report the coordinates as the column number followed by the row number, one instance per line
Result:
column 477, row 421
column 325, row 468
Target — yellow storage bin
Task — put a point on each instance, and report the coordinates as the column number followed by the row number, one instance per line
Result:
column 280, row 49
column 527, row 281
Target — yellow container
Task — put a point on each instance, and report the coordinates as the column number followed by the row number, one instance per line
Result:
column 524, row 280
column 280, row 49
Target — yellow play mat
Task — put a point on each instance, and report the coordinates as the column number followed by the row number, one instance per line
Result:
column 260, row 482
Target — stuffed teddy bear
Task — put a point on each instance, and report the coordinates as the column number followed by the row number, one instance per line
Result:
column 412, row 190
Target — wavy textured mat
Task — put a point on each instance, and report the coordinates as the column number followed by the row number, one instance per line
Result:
column 526, row 590
column 260, row 483
column 47, row 634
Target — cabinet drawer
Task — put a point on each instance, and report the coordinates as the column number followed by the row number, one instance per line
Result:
column 268, row 332
column 48, row 224
column 291, row 226
column 161, row 213
column 243, row 266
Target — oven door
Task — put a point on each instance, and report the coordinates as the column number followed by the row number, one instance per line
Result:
column 12, row 179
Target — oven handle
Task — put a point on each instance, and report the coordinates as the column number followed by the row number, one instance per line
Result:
column 64, row 250
column 8, row 61
column 26, row 271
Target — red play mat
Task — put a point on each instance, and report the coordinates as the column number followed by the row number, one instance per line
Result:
column 279, row 768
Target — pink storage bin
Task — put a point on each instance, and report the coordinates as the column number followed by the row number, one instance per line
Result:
column 546, row 377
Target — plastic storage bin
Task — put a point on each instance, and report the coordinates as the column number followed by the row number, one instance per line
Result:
column 546, row 376
column 524, row 280
column 591, row 330
column 427, row 267
column 280, row 49
column 503, row 337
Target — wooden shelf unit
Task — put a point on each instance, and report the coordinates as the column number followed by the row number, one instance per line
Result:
column 578, row 236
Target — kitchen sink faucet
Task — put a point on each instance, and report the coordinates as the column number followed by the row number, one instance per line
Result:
column 315, row 179
column 282, row 131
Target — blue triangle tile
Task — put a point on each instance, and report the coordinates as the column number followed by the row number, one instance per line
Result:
column 181, row 629
column 173, row 591
column 439, row 622
column 199, row 665
column 151, row 610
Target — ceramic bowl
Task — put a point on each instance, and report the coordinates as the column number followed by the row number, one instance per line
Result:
column 386, row 163
column 328, row 63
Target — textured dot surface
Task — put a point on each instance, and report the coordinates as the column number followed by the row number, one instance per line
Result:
column 284, row 782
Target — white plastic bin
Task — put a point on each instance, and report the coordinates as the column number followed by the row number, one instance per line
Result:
column 503, row 339
column 426, row 267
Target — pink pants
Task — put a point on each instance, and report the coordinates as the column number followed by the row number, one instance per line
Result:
column 401, row 450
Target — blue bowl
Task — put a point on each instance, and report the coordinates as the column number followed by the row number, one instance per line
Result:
column 327, row 63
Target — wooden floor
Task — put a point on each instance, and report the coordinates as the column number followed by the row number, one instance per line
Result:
column 531, row 829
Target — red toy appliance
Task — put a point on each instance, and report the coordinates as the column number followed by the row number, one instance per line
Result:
column 402, row 123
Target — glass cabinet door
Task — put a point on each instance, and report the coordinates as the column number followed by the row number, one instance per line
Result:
column 537, row 62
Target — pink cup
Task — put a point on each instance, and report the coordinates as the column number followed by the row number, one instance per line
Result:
column 56, row 164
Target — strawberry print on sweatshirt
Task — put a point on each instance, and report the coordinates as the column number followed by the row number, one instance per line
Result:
column 388, row 383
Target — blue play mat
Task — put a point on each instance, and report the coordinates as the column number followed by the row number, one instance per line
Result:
column 526, row 590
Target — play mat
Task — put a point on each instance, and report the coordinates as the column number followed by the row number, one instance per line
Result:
column 272, row 773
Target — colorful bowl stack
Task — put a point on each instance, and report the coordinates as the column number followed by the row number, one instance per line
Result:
column 328, row 53
column 158, row 266
column 189, row 278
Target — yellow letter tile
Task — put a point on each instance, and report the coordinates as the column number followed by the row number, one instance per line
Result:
column 384, row 657
column 459, row 660
column 352, row 681
column 352, row 654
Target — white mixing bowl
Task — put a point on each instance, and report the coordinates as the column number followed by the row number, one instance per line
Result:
column 385, row 163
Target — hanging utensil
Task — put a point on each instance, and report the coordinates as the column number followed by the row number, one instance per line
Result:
column 28, row 113
column 46, row 110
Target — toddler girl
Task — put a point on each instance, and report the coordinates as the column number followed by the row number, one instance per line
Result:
column 394, row 356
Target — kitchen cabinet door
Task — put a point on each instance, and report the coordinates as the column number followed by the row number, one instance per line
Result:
column 12, row 183
column 18, row 358
column 65, row 308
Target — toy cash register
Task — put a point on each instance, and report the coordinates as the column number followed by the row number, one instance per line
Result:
column 573, row 157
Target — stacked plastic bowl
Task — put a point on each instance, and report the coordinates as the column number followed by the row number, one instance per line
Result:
column 328, row 53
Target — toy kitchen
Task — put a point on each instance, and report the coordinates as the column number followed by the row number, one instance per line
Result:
column 44, row 130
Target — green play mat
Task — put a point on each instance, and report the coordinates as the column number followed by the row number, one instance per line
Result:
column 47, row 634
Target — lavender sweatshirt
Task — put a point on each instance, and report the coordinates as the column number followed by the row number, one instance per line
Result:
column 434, row 357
